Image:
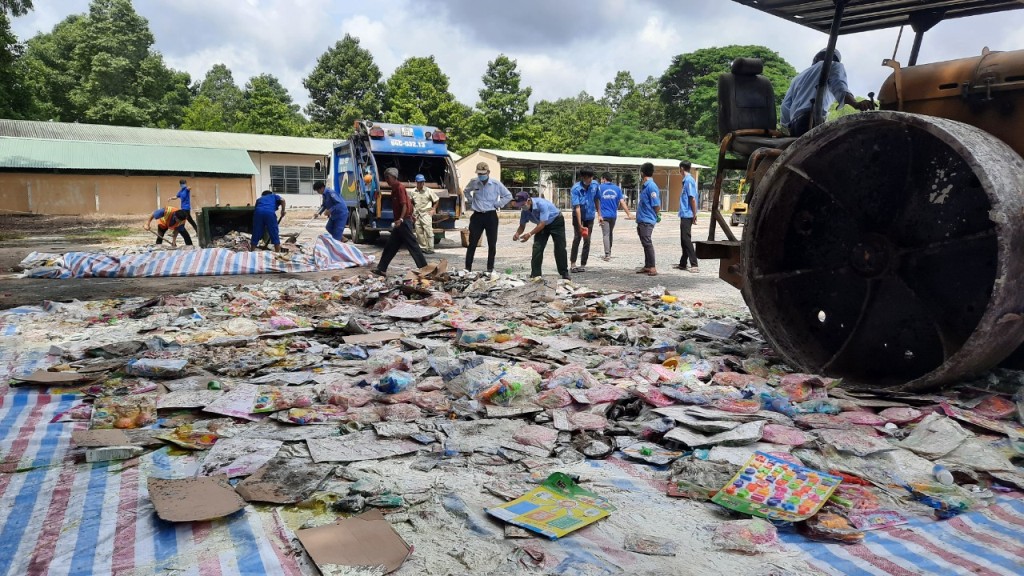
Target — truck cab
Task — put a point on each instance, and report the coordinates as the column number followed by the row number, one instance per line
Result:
column 360, row 161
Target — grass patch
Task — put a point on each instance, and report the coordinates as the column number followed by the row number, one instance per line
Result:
column 4, row 236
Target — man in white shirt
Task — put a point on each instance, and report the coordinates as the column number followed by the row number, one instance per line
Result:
column 798, row 105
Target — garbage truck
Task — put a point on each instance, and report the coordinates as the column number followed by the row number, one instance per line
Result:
column 357, row 169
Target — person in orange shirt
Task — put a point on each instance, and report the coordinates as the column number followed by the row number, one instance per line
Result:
column 169, row 218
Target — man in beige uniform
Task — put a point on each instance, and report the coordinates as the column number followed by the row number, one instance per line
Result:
column 424, row 204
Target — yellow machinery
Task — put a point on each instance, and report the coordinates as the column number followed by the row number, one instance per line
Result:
column 887, row 247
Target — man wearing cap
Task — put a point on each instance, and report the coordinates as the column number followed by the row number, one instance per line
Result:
column 169, row 218
column 648, row 213
column 402, row 233
column 798, row 104
column 424, row 204
column 585, row 200
column 549, row 224
column 335, row 207
column 611, row 200
column 485, row 196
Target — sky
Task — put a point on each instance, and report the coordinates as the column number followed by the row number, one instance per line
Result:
column 562, row 46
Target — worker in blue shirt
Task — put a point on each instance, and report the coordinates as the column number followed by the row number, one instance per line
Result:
column 337, row 211
column 648, row 213
column 585, row 199
column 185, row 195
column 687, row 218
column 611, row 199
column 265, row 220
column 485, row 196
column 549, row 224
column 798, row 104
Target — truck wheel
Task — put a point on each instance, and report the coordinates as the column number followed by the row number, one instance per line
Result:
column 355, row 223
column 885, row 249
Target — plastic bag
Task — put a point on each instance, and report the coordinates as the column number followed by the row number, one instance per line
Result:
column 351, row 352
column 394, row 382
column 156, row 368
column 434, row 401
column 572, row 376
column 274, row 398
column 554, row 398
column 346, row 396
column 754, row 536
column 384, row 363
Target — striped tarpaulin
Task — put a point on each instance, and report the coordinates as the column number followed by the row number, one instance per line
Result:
column 328, row 254
column 59, row 515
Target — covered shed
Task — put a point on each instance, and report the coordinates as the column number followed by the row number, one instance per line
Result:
column 545, row 171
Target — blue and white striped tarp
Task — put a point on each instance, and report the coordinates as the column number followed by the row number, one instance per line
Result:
column 328, row 254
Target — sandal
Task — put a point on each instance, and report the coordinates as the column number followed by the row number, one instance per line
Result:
column 679, row 267
column 694, row 270
column 652, row 272
column 576, row 269
column 643, row 270
column 377, row 272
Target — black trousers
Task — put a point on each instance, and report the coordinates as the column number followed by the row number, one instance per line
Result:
column 801, row 124
column 192, row 222
column 160, row 231
column 479, row 223
column 686, row 242
column 644, row 231
column 556, row 232
column 589, row 225
column 402, row 235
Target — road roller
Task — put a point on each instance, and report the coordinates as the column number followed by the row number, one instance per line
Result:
column 886, row 248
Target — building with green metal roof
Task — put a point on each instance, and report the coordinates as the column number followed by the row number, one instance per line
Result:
column 69, row 168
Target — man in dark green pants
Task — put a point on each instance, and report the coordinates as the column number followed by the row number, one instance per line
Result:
column 550, row 224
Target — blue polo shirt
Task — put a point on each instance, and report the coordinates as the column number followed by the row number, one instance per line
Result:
column 689, row 191
column 611, row 195
column 542, row 211
column 584, row 197
column 267, row 203
column 650, row 197
column 186, row 197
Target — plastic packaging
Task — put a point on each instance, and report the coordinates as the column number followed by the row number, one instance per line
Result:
column 572, row 376
column 156, row 368
column 346, row 396
column 943, row 475
column 554, row 398
column 754, row 536
column 394, row 381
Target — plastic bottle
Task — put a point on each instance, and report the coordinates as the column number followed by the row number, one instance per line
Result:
column 943, row 475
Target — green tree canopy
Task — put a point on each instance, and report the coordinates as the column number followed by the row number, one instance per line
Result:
column 503, row 102
column 344, row 86
column 101, row 68
column 564, row 125
column 15, row 94
column 267, row 108
column 689, row 87
column 417, row 93
column 219, row 89
column 206, row 115
column 623, row 138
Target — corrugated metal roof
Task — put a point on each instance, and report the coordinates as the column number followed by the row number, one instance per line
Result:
column 164, row 137
column 38, row 154
column 581, row 159
column 860, row 16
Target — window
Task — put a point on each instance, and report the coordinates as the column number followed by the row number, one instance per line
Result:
column 293, row 179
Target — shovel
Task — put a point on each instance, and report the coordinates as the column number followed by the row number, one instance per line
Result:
column 293, row 238
column 173, row 240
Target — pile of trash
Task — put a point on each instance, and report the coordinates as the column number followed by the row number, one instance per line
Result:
column 289, row 392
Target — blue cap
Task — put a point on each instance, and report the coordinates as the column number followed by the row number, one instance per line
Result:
column 420, row 178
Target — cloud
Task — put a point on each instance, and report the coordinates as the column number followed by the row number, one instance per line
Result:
column 562, row 46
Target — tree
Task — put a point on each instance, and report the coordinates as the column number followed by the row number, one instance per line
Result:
column 267, row 108
column 101, row 68
column 15, row 95
column 564, row 125
column 344, row 86
column 206, row 115
column 503, row 103
column 689, row 87
column 417, row 93
column 220, row 92
column 617, row 90
column 623, row 137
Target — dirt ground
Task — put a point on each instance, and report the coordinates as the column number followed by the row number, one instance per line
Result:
column 21, row 235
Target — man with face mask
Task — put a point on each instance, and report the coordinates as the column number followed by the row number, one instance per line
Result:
column 484, row 196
